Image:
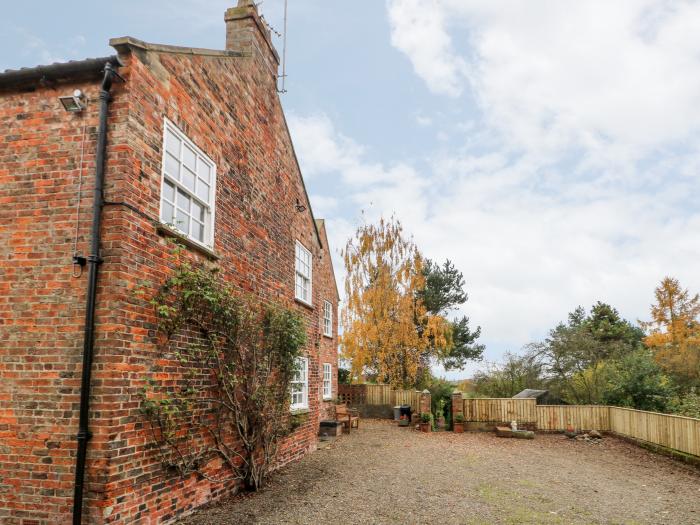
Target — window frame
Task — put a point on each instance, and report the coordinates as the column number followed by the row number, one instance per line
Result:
column 327, row 367
column 209, row 226
column 304, row 404
column 298, row 245
column 327, row 320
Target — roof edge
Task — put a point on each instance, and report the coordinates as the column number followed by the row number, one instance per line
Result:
column 301, row 176
column 323, row 232
column 124, row 44
column 28, row 77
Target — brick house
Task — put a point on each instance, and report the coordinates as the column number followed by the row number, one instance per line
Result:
column 195, row 138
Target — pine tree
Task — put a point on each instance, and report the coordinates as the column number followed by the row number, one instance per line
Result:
column 674, row 332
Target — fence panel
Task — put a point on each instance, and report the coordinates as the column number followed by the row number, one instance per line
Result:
column 676, row 432
column 580, row 417
column 407, row 397
column 378, row 395
column 352, row 394
column 500, row 409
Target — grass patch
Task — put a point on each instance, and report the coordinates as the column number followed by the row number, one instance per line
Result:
column 517, row 509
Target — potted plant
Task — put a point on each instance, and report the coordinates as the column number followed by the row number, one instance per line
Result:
column 426, row 419
column 458, row 423
column 403, row 420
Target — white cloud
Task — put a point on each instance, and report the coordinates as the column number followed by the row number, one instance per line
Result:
column 423, row 120
column 36, row 49
column 324, row 150
column 558, row 74
column 323, row 205
column 418, row 30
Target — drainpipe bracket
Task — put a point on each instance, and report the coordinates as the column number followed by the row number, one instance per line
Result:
column 84, row 435
column 94, row 259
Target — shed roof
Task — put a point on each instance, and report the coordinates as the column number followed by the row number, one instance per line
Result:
column 530, row 393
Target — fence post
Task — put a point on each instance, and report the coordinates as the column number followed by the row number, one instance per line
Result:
column 457, row 404
column 425, row 401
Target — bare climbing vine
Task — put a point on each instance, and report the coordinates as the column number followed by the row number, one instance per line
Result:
column 226, row 415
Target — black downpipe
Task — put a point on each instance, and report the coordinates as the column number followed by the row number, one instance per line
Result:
column 93, row 260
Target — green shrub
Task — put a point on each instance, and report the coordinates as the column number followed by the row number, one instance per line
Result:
column 687, row 405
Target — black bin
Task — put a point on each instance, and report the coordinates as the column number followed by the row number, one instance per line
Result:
column 405, row 410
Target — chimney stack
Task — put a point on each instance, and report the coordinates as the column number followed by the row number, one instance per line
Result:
column 246, row 33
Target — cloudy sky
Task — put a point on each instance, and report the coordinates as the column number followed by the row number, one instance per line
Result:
column 549, row 148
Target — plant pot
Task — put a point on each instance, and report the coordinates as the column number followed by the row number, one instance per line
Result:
column 458, row 428
column 425, row 427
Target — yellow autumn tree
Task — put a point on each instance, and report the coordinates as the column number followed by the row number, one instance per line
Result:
column 386, row 329
column 674, row 331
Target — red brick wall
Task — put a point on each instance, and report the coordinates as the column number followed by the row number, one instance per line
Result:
column 328, row 346
column 42, row 296
column 228, row 106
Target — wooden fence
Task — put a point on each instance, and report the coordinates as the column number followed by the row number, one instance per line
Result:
column 500, row 409
column 378, row 395
column 674, row 432
column 584, row 417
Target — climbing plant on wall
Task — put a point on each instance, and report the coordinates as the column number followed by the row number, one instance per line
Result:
column 225, row 410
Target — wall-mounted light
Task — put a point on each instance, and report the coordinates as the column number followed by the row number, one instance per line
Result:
column 300, row 207
column 73, row 103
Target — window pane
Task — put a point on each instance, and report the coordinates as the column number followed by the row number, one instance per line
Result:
column 189, row 157
column 204, row 171
column 168, row 191
column 168, row 211
column 182, row 221
column 203, row 191
column 183, row 201
column 188, row 178
column 198, row 230
column 197, row 211
column 172, row 143
column 172, row 166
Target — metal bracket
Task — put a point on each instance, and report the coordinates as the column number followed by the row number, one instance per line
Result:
column 84, row 435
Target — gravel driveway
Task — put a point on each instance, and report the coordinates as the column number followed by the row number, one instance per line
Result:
column 383, row 474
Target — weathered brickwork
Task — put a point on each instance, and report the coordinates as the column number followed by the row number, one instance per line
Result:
column 228, row 106
column 328, row 346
